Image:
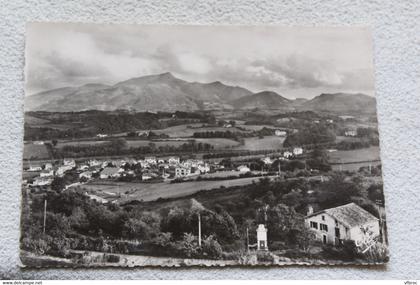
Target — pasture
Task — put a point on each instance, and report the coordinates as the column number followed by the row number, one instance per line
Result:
column 357, row 155
column 219, row 143
column 183, row 131
column 33, row 151
column 153, row 191
column 268, row 142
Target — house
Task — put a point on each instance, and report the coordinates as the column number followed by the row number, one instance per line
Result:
column 46, row 173
column 347, row 222
column 182, row 171
column 42, row 181
column 203, row 168
column 161, row 161
column 193, row 163
column 150, row 159
column 101, row 135
column 110, row 172
column 350, row 133
column 63, row 169
column 34, row 168
column 297, row 151
column 69, row 162
column 280, row 133
column 48, row 166
column 96, row 198
column 38, row 143
column 83, row 167
column 329, row 121
column 243, row 168
column 174, row 160
column 86, row 174
column 94, row 162
column 146, row 176
column 267, row 160
column 287, row 154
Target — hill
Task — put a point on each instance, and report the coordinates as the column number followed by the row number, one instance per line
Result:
column 162, row 92
column 342, row 103
column 261, row 100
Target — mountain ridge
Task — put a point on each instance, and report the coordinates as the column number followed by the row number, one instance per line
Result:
column 165, row 92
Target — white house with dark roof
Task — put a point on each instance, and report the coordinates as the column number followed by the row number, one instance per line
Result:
column 111, row 172
column 347, row 222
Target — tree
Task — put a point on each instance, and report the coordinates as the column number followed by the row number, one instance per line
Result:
column 58, row 184
column 282, row 220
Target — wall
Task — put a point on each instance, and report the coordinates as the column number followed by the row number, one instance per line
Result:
column 396, row 31
column 330, row 222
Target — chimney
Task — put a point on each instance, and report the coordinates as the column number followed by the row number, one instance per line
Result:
column 310, row 210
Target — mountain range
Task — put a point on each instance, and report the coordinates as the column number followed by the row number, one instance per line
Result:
column 165, row 92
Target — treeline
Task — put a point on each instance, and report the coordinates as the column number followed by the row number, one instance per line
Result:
column 314, row 134
column 90, row 123
column 235, row 135
column 217, row 134
column 119, row 147
column 74, row 222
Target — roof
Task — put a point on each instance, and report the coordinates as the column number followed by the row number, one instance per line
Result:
column 350, row 215
column 110, row 170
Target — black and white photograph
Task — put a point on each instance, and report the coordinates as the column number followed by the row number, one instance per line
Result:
column 188, row 145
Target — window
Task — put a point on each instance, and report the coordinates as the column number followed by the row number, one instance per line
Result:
column 314, row 225
column 323, row 227
column 323, row 217
column 336, row 223
column 337, row 232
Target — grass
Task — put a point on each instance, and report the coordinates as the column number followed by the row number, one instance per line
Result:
column 154, row 191
column 268, row 142
column 33, row 151
column 357, row 155
column 184, row 131
column 219, row 143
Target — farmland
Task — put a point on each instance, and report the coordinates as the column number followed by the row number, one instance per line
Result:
column 33, row 151
column 153, row 191
column 268, row 142
column 348, row 156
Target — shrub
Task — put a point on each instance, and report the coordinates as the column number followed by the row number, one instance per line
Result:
column 211, row 247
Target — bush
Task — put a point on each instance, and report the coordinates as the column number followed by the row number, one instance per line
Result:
column 211, row 247
column 111, row 258
column 265, row 256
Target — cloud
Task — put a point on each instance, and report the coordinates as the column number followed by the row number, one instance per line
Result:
column 258, row 58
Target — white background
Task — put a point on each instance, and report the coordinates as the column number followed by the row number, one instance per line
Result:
column 396, row 33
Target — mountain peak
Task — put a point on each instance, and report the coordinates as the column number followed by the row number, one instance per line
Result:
column 342, row 102
column 263, row 99
column 166, row 75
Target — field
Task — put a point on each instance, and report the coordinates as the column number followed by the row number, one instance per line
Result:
column 153, row 191
column 138, row 143
column 80, row 143
column 357, row 155
column 219, row 143
column 33, row 151
column 353, row 166
column 268, row 142
column 186, row 130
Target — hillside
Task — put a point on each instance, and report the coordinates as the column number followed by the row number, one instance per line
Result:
column 162, row 92
column 342, row 103
column 261, row 100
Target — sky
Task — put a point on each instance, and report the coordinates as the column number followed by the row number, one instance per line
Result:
column 296, row 62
